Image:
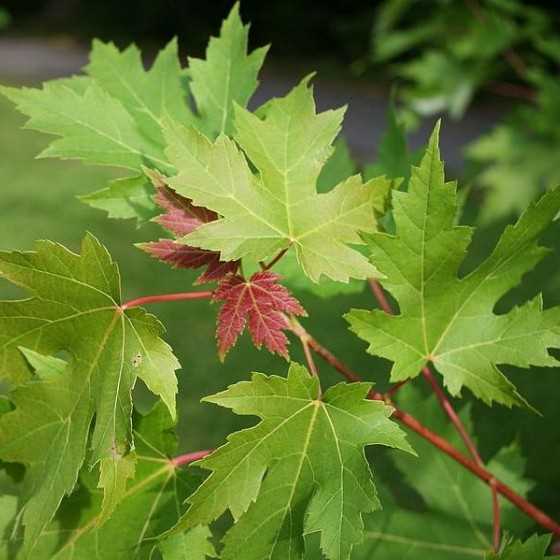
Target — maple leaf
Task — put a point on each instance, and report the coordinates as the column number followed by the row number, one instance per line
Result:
column 534, row 548
column 260, row 304
column 450, row 320
column 151, row 504
column 301, row 470
column 228, row 76
column 182, row 217
column 113, row 116
column 75, row 309
column 191, row 545
column 262, row 214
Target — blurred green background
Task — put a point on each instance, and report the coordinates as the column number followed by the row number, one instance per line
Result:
column 39, row 196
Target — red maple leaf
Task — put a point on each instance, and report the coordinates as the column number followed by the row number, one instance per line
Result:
column 181, row 217
column 259, row 303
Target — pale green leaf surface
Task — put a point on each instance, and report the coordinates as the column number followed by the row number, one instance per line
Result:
column 129, row 197
column 114, row 474
column 75, row 309
column 192, row 545
column 8, row 510
column 264, row 214
column 152, row 503
column 44, row 366
column 534, row 548
column 311, row 450
column 148, row 96
column 227, row 76
column 93, row 126
column 448, row 320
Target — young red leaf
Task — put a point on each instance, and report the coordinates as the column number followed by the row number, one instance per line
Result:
column 260, row 304
column 182, row 217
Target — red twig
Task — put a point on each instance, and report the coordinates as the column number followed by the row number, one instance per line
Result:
column 496, row 534
column 443, row 445
column 529, row 509
column 165, row 297
column 380, row 296
column 450, row 411
column 188, row 458
column 447, row 407
column 392, row 390
column 274, row 260
column 309, row 357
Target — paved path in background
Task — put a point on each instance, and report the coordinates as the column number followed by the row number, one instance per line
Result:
column 33, row 60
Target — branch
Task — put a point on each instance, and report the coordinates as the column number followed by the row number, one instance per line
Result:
column 165, row 297
column 187, row 458
column 443, row 445
column 274, row 260
column 447, row 407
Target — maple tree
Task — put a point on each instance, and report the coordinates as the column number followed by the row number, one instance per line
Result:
column 263, row 204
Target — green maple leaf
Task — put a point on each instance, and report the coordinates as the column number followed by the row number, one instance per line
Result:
column 311, row 450
column 148, row 95
column 192, row 545
column 534, row 548
column 449, row 320
column 113, row 116
column 75, row 309
column 152, row 503
column 454, row 519
column 280, row 207
column 228, row 76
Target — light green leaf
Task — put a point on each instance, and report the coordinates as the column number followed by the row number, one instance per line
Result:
column 192, row 545
column 534, row 548
column 129, row 197
column 152, row 503
column 44, row 366
column 114, row 474
column 75, row 309
column 8, row 510
column 148, row 96
column 310, row 447
column 264, row 214
column 448, row 320
column 228, row 76
column 92, row 126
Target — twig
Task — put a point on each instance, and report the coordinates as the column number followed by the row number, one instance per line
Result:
column 309, row 357
column 265, row 266
column 447, row 407
column 188, row 458
column 529, row 509
column 165, row 297
column 392, row 390
column 450, row 411
column 380, row 296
